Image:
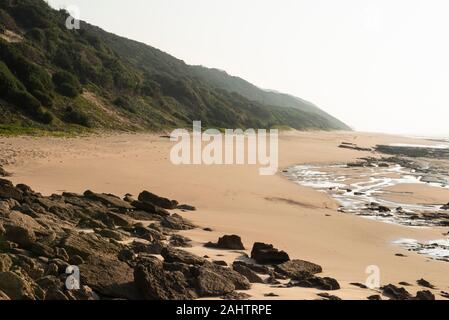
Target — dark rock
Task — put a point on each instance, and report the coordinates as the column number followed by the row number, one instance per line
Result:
column 156, row 284
column 176, row 222
column 228, row 242
column 177, row 240
column 109, row 277
column 425, row 284
column 424, row 295
column 308, row 280
column 112, row 219
column 5, row 262
column 76, row 260
column 444, row 294
column 150, row 208
column 327, row 296
column 216, row 281
column 7, row 190
column 294, row 267
column 360, row 285
column 255, row 267
column 395, row 293
column 267, row 254
column 17, row 286
column 406, row 284
column 375, row 297
column 208, row 229
column 151, row 248
column 111, row 234
column 126, row 255
column 21, row 235
column 86, row 245
column 220, row 263
column 247, row 273
column 109, row 200
column 175, row 255
column 271, row 294
column 186, row 207
column 148, row 197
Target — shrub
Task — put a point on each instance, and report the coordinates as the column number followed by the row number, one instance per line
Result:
column 67, row 84
column 43, row 97
column 43, row 116
column 124, row 103
column 66, row 89
column 26, row 101
column 37, row 35
column 76, row 117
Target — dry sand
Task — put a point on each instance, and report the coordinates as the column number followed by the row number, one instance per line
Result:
column 237, row 200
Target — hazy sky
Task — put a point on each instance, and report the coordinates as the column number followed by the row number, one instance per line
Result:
column 378, row 65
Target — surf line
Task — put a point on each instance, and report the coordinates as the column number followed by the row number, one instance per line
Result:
column 212, row 147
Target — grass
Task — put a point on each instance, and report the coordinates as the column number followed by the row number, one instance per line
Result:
column 11, row 130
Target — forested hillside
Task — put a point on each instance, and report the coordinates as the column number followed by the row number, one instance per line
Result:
column 54, row 78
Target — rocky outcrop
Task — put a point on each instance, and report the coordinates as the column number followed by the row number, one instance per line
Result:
column 123, row 249
column 308, row 280
column 154, row 283
column 228, row 242
column 247, row 273
column 294, row 268
column 150, row 198
column 266, row 254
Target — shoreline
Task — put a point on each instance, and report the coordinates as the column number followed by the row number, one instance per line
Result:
column 289, row 218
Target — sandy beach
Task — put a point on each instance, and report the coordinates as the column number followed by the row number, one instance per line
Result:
column 235, row 199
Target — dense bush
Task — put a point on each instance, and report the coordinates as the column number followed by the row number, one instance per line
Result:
column 37, row 35
column 43, row 97
column 124, row 103
column 31, row 75
column 76, row 117
column 67, row 84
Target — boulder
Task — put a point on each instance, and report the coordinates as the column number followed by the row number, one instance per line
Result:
column 266, row 254
column 426, row 284
column 229, row 242
column 176, row 222
column 308, row 280
column 109, row 200
column 154, row 283
column 8, row 191
column 111, row 234
column 186, row 207
column 395, row 293
column 424, row 295
column 255, row 267
column 212, row 284
column 150, row 208
column 86, row 245
column 17, row 286
column 247, row 273
column 5, row 262
column 109, row 277
column 293, row 268
column 21, row 235
column 148, row 197
column 177, row 240
column 171, row 255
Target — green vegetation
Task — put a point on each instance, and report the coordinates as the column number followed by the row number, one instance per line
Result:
column 58, row 79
